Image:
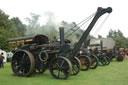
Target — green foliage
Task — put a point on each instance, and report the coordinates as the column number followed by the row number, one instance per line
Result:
column 121, row 41
column 20, row 27
column 91, row 37
column 4, row 36
column 6, row 23
column 115, row 34
column 7, row 30
column 99, row 37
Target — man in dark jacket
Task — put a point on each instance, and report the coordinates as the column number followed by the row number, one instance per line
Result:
column 1, row 60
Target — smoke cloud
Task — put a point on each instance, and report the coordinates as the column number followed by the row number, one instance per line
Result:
column 50, row 28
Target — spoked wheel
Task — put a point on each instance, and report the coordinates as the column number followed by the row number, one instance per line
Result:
column 102, row 61
column 108, row 60
column 85, row 62
column 60, row 68
column 76, row 66
column 94, row 62
column 23, row 63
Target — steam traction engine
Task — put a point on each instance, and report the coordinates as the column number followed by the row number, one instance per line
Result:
column 39, row 53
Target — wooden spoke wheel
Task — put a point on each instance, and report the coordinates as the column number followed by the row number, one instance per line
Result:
column 23, row 63
column 76, row 66
column 60, row 68
column 85, row 62
column 94, row 62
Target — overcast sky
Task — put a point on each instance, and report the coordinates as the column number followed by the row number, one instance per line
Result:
column 70, row 11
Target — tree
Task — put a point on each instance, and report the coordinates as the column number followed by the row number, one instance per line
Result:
column 20, row 27
column 120, row 34
column 7, row 31
column 91, row 37
column 6, row 23
column 117, row 35
column 5, row 35
column 99, row 37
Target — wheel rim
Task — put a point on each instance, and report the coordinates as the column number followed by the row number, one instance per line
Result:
column 94, row 62
column 22, row 63
column 108, row 60
column 76, row 66
column 60, row 68
column 85, row 63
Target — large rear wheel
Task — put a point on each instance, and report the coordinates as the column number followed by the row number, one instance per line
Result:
column 23, row 63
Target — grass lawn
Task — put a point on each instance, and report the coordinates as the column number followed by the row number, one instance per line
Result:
column 114, row 74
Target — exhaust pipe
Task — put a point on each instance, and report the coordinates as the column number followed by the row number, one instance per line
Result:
column 61, row 29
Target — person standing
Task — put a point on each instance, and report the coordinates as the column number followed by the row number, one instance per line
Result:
column 1, row 60
column 122, row 53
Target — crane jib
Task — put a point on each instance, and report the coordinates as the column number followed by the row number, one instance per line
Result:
column 100, row 12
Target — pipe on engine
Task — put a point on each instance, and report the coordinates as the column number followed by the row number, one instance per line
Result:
column 61, row 29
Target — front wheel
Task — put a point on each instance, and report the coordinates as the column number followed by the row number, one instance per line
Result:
column 85, row 62
column 94, row 62
column 76, row 65
column 60, row 68
column 102, row 61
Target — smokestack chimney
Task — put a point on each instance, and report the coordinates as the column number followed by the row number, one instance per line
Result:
column 61, row 29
